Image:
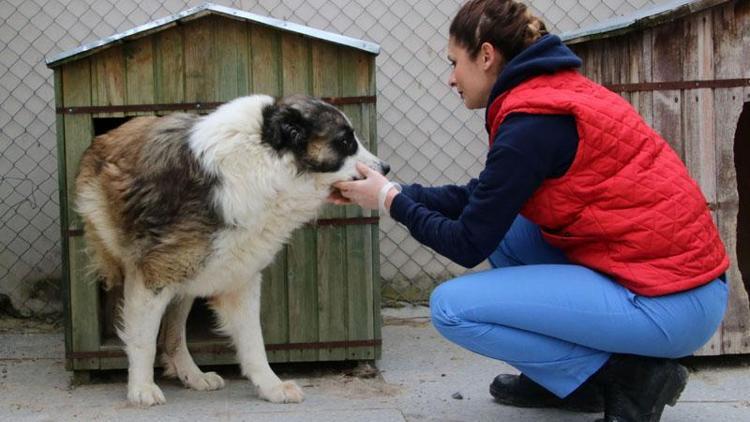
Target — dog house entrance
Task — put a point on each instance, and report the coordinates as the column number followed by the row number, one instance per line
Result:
column 103, row 125
column 742, row 166
column 200, row 322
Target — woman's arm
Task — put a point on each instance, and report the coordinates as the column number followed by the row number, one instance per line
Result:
column 528, row 149
column 448, row 200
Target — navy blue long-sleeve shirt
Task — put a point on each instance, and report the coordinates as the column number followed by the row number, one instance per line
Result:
column 466, row 223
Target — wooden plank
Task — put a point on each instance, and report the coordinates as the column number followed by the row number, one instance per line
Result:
column 640, row 71
column 108, row 78
column 731, row 39
column 359, row 266
column 200, row 61
column 302, row 293
column 266, row 60
column 302, row 255
column 76, row 79
column 295, row 64
column 169, row 68
column 666, row 61
column 698, row 117
column 230, row 38
column 248, row 55
column 371, row 115
column 594, row 63
column 274, row 307
column 139, row 72
column 63, row 192
column 84, row 305
column 331, row 241
column 613, row 50
column 275, row 298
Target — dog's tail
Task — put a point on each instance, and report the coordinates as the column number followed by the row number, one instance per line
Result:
column 91, row 204
column 106, row 267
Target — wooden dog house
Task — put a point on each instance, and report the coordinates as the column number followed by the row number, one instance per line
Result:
column 685, row 66
column 321, row 298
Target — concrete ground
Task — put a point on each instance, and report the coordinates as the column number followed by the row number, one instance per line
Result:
column 421, row 378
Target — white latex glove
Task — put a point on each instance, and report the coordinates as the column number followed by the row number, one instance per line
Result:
column 363, row 192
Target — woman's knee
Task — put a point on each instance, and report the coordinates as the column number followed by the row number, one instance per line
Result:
column 441, row 310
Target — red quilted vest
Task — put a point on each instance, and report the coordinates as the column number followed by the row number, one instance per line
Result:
column 627, row 206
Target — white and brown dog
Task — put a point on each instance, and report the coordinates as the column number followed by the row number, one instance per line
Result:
column 184, row 206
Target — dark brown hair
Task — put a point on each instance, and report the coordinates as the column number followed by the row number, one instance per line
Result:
column 506, row 24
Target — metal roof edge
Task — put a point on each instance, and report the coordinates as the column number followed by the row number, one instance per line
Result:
column 195, row 12
column 654, row 15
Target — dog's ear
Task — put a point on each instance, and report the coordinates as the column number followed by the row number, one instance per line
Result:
column 284, row 127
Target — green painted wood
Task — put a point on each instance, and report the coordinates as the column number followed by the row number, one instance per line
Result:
column 84, row 305
column 331, row 241
column 248, row 55
column 76, row 79
column 139, row 72
column 359, row 241
column 62, row 192
column 275, row 307
column 230, row 38
column 264, row 77
column 200, row 61
column 84, row 297
column 265, row 60
column 302, row 291
column 295, row 64
column 302, row 257
column 108, row 78
column 169, row 69
column 372, row 117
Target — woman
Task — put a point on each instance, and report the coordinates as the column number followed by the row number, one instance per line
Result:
column 607, row 263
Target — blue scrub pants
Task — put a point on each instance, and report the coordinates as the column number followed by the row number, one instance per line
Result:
column 557, row 322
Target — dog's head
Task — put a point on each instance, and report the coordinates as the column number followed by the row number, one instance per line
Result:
column 319, row 136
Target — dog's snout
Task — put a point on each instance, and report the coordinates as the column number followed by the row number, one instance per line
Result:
column 385, row 167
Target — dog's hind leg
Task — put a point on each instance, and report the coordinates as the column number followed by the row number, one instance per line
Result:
column 176, row 357
column 239, row 316
column 142, row 310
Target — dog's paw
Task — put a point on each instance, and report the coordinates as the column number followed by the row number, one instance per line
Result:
column 203, row 381
column 145, row 395
column 285, row 392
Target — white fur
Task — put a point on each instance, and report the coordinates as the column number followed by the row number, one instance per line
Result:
column 263, row 198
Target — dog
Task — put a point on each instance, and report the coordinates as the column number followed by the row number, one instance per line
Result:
column 184, row 206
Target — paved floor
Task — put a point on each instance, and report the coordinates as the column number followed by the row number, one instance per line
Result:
column 420, row 374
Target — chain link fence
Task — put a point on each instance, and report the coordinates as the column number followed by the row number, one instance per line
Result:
column 425, row 133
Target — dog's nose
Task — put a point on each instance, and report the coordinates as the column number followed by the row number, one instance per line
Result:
column 385, row 167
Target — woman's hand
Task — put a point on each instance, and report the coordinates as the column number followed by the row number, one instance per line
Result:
column 361, row 192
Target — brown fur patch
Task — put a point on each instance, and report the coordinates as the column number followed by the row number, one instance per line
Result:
column 225, row 301
column 150, row 197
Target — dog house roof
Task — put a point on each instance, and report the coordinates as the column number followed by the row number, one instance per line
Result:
column 200, row 11
column 644, row 18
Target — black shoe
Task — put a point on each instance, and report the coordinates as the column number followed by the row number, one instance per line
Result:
column 521, row 391
column 636, row 388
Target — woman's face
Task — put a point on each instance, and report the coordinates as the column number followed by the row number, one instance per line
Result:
column 473, row 78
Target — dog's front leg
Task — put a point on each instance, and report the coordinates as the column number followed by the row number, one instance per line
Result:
column 141, row 315
column 239, row 315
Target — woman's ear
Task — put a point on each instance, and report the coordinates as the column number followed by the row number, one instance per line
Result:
column 491, row 58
